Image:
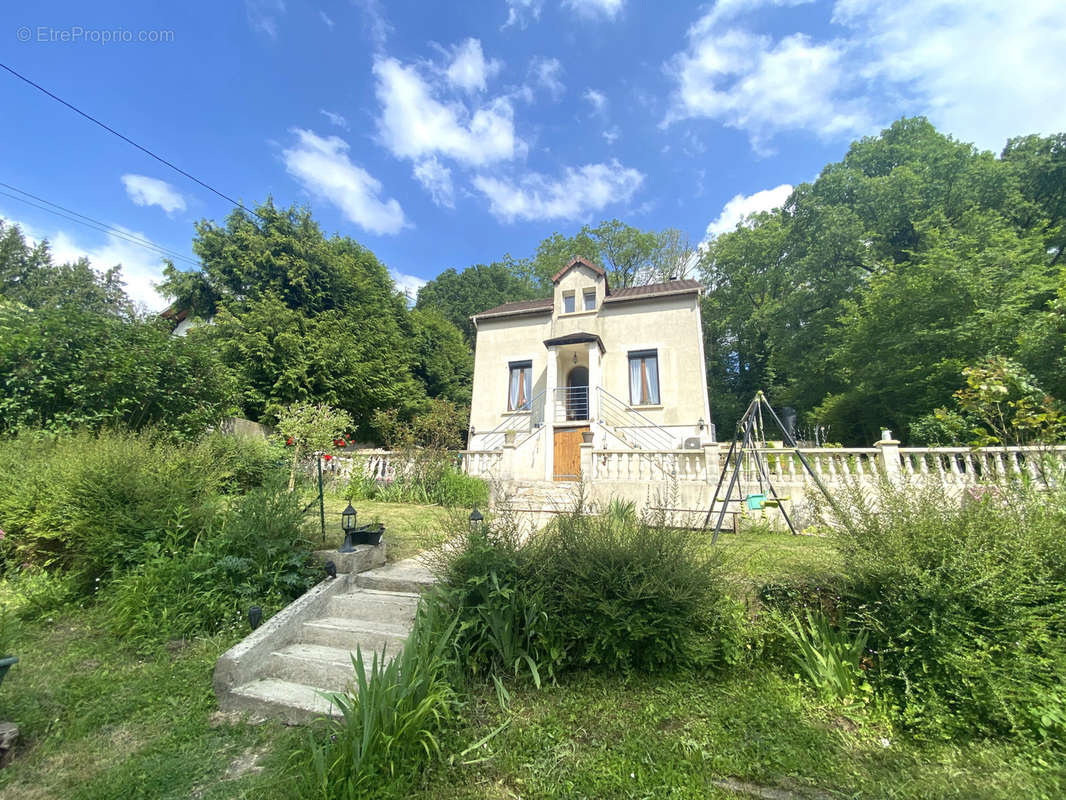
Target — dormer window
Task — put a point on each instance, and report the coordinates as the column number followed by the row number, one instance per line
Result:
column 589, row 298
column 569, row 303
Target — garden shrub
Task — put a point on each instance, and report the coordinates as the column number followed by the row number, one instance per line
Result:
column 965, row 605
column 502, row 629
column 250, row 553
column 241, row 462
column 87, row 503
column 627, row 594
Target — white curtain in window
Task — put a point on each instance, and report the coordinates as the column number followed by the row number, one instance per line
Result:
column 634, row 381
column 518, row 392
column 651, row 369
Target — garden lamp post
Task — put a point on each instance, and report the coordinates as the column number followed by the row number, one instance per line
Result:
column 477, row 521
column 348, row 526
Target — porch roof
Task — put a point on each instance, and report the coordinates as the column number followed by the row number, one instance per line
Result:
column 576, row 338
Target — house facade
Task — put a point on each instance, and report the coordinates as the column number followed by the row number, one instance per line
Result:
column 620, row 369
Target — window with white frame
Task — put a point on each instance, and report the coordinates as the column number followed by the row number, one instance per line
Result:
column 568, row 303
column 520, row 386
column 644, row 377
column 589, row 297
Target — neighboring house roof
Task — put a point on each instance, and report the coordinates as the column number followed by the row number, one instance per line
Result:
column 583, row 262
column 617, row 296
column 174, row 314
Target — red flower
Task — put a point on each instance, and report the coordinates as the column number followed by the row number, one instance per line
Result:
column 289, row 442
column 327, row 456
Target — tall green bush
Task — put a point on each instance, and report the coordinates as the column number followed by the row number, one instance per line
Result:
column 627, row 594
column 965, row 605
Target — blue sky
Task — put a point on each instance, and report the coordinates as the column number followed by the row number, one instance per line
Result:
column 446, row 134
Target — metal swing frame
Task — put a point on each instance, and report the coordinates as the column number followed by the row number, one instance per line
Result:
column 749, row 427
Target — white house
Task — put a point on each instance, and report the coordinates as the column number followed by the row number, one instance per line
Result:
column 625, row 367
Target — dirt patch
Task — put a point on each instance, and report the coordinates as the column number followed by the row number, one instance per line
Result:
column 247, row 763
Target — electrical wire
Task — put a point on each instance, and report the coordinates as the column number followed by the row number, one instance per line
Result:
column 89, row 222
column 128, row 140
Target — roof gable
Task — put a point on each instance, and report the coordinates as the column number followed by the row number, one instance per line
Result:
column 580, row 261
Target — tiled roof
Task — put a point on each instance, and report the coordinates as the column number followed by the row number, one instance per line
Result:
column 617, row 295
column 519, row 307
column 637, row 292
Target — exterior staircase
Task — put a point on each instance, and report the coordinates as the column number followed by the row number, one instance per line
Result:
column 307, row 648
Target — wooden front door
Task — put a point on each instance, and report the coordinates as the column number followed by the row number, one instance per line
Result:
column 568, row 453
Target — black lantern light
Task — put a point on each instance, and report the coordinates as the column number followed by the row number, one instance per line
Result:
column 255, row 616
column 477, row 521
column 348, row 526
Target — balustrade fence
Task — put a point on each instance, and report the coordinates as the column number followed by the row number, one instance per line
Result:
column 959, row 466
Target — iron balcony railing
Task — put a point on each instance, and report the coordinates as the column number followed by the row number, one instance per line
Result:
column 571, row 404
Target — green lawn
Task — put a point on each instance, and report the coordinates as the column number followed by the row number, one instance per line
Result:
column 687, row 736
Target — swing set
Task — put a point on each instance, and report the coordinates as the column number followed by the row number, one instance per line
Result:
column 747, row 462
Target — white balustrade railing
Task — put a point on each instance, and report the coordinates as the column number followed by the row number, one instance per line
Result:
column 640, row 465
column 964, row 465
column 481, row 463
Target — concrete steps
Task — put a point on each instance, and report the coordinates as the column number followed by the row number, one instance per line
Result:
column 282, row 673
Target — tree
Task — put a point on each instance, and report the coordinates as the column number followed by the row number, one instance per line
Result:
column 862, row 299
column 442, row 359
column 64, row 369
column 457, row 296
column 300, row 317
column 308, row 429
column 28, row 276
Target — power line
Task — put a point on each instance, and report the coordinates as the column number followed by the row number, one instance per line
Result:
column 126, row 139
column 95, row 224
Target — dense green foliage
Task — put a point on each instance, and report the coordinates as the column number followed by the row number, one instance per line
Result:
column 610, row 592
column 148, row 525
column 299, row 316
column 965, row 607
column 861, row 301
column 73, row 353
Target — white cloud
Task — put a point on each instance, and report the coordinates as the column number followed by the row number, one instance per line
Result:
column 579, row 192
column 264, row 15
column 611, row 135
column 335, row 118
column 598, row 100
column 982, row 70
column 519, row 12
column 437, row 180
column 323, row 168
column 408, row 284
column 414, row 124
column 547, row 74
column 595, row 8
column 326, row 19
column 145, row 191
column 468, row 69
column 141, row 267
column 741, row 206
column 376, row 25
column 761, row 86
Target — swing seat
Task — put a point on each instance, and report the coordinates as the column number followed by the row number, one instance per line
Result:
column 755, row 502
